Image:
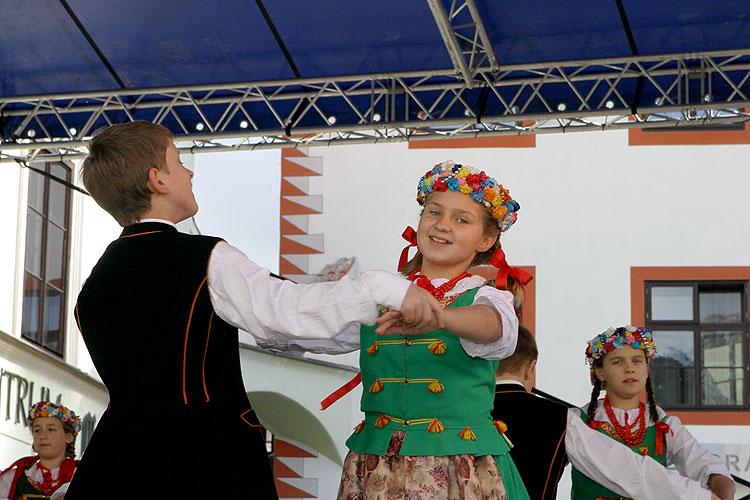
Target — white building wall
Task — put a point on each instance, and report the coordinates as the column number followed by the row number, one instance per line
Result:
column 592, row 207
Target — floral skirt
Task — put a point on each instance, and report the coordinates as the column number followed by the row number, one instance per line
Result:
column 449, row 477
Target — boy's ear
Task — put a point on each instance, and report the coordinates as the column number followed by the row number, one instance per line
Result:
column 155, row 182
column 530, row 369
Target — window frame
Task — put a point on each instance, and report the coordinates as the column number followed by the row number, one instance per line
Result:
column 698, row 328
column 638, row 277
column 38, row 338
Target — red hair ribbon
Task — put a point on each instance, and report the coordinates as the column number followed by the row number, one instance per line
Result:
column 504, row 270
column 661, row 429
column 409, row 235
column 341, row 391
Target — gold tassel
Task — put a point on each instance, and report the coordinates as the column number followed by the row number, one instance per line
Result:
column 437, row 347
column 435, row 386
column 359, row 427
column 373, row 348
column 377, row 386
column 435, row 426
column 501, row 428
column 467, row 434
column 382, row 421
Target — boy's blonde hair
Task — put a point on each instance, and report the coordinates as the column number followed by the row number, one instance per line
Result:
column 526, row 350
column 116, row 170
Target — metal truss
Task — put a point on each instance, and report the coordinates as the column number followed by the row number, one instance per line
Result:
column 465, row 38
column 710, row 89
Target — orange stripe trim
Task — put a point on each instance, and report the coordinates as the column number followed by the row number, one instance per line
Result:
column 248, row 423
column 549, row 473
column 139, row 234
column 205, row 352
column 509, row 392
column 78, row 320
column 187, row 332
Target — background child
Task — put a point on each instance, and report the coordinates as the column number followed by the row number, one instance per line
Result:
column 619, row 364
column 159, row 315
column 54, row 429
column 546, row 434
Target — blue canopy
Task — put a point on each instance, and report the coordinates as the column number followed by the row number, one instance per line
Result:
column 60, row 46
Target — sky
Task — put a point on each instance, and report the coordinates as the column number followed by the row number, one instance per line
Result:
column 238, row 196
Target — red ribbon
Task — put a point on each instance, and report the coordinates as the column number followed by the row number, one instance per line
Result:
column 409, row 235
column 341, row 391
column 661, row 429
column 504, row 270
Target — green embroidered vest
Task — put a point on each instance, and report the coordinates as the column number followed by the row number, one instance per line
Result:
column 428, row 387
column 584, row 488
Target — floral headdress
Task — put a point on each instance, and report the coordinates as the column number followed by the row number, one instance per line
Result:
column 450, row 176
column 614, row 338
column 47, row 409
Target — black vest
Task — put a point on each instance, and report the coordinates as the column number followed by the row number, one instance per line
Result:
column 172, row 368
column 536, row 427
column 147, row 320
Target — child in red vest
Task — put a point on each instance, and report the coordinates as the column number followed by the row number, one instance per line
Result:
column 47, row 474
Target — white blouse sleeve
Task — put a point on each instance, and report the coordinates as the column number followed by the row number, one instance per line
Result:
column 617, row 468
column 245, row 296
column 502, row 301
column 690, row 458
column 347, row 341
column 5, row 481
column 60, row 492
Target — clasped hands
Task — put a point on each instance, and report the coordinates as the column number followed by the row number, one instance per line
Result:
column 420, row 313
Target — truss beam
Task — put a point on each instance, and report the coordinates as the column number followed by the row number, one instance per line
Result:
column 464, row 36
column 710, row 89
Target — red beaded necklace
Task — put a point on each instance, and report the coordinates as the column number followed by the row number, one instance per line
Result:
column 439, row 292
column 626, row 431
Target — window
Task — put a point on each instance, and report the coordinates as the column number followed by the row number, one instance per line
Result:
column 700, row 329
column 45, row 269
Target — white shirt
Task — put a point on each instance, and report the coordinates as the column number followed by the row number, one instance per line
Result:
column 500, row 300
column 245, row 295
column 611, row 464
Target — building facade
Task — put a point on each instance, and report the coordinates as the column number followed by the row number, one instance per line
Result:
column 624, row 227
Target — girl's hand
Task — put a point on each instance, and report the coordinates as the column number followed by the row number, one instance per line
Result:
column 393, row 323
column 418, row 310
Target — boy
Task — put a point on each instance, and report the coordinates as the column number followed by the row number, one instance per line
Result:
column 546, row 435
column 159, row 315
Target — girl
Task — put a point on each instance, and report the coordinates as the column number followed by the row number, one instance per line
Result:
column 618, row 359
column 46, row 475
column 427, row 431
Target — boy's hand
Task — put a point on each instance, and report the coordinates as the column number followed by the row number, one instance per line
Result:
column 420, row 313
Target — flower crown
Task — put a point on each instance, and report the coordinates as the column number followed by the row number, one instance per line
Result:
column 450, row 176
column 635, row 337
column 47, row 409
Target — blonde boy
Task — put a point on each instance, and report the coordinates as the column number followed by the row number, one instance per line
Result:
column 159, row 315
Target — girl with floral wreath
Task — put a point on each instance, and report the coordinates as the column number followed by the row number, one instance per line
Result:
column 428, row 432
column 618, row 360
column 48, row 473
